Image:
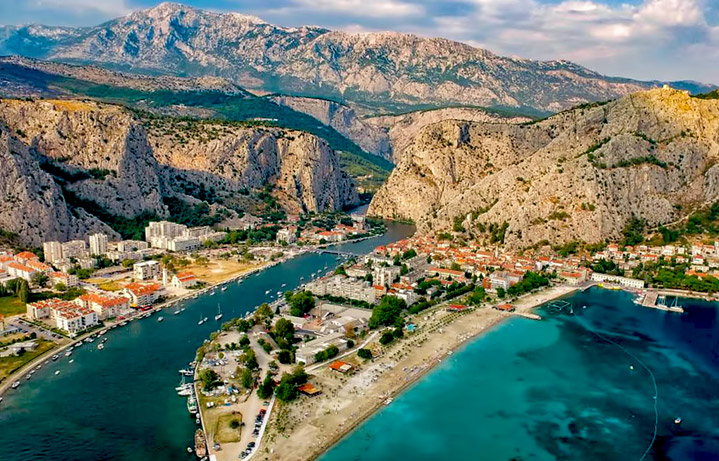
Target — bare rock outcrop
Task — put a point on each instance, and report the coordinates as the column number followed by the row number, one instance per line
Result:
column 578, row 175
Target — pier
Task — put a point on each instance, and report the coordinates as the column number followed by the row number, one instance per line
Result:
column 658, row 300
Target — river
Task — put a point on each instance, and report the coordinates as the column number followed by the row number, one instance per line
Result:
column 120, row 403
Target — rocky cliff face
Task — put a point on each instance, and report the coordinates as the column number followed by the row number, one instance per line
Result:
column 579, row 175
column 402, row 129
column 126, row 165
column 382, row 68
column 342, row 118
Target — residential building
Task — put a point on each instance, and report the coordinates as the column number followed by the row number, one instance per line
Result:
column 98, row 244
column 184, row 280
column 52, row 252
column 131, row 246
column 66, row 315
column 164, row 229
column 146, row 270
column 76, row 249
column 105, row 307
column 15, row 269
column 69, row 280
column 143, row 294
column 287, row 235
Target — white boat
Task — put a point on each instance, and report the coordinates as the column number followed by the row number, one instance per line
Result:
column 223, row 288
column 160, row 319
column 71, row 360
column 176, row 312
column 186, row 372
column 101, row 346
column 219, row 313
column 284, row 285
column 212, row 293
column 16, row 384
column 182, row 310
column 678, row 421
column 185, row 392
column 204, row 320
column 68, row 354
column 267, row 292
column 57, row 372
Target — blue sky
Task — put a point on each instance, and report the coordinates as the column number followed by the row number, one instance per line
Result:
column 647, row 39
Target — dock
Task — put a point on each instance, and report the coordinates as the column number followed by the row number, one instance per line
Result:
column 656, row 300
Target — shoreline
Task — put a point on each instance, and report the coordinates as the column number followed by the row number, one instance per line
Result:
column 464, row 331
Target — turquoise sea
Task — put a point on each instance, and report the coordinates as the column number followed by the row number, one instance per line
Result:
column 120, row 403
column 569, row 387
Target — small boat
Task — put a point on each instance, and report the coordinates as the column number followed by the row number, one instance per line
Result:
column 223, row 288
column 28, row 376
column 267, row 292
column 101, row 346
column 284, row 285
column 192, row 405
column 71, row 361
column 212, row 293
column 16, row 384
column 176, row 312
column 160, row 319
column 678, row 421
column 186, row 372
column 201, row 321
column 189, row 449
column 68, row 354
column 57, row 372
column 0, row 399
column 185, row 392
column 204, row 320
column 54, row 357
column 219, row 313
column 200, row 444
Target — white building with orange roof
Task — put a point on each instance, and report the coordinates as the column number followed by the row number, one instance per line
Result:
column 104, row 306
column 141, row 294
column 15, row 269
column 184, row 280
column 38, row 266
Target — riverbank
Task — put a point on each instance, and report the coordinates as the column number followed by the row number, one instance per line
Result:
column 308, row 427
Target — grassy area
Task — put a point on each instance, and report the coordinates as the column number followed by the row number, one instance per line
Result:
column 109, row 286
column 11, row 363
column 224, row 432
column 11, row 305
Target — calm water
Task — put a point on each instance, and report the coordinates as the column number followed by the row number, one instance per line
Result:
column 554, row 389
column 120, row 403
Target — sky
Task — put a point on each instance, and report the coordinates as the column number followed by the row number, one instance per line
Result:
column 644, row 39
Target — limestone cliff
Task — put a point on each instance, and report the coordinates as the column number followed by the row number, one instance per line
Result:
column 402, row 129
column 342, row 118
column 578, row 175
column 126, row 165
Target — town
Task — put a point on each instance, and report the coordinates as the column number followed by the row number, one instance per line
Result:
column 312, row 342
column 70, row 289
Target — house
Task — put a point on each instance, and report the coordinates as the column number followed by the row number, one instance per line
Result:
column 184, row 280
column 505, row 307
column 25, row 256
column 342, row 367
column 143, row 294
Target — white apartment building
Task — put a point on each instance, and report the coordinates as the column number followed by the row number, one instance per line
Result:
column 286, row 235
column 164, row 229
column 98, row 244
column 52, row 252
column 624, row 281
column 146, row 270
column 74, row 249
column 131, row 246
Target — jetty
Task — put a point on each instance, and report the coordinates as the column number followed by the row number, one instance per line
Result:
column 656, row 299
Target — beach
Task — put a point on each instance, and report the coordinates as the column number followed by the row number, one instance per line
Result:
column 308, row 427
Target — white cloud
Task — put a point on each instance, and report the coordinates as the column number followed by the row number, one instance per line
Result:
column 360, row 8
column 110, row 8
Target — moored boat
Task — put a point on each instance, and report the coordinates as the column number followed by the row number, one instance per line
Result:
column 200, row 444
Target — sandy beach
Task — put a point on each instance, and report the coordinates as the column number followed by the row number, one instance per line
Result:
column 306, row 428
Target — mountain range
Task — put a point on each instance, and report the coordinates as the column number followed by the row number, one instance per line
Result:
column 380, row 71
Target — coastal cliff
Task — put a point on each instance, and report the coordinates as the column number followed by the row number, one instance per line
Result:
column 81, row 152
column 579, row 175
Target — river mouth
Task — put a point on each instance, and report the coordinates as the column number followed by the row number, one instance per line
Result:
column 120, row 403
column 568, row 387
